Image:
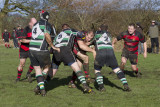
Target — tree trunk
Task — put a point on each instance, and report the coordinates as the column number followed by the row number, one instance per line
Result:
column 2, row 15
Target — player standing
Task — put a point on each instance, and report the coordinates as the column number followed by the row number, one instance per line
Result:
column 39, row 53
column 24, row 50
column 131, row 39
column 6, row 36
column 105, row 56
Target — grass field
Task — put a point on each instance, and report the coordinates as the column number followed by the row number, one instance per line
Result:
column 145, row 91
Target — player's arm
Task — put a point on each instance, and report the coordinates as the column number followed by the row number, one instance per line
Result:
column 84, row 47
column 49, row 41
column 24, row 40
column 117, row 39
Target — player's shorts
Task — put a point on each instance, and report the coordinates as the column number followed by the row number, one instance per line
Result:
column 40, row 58
column 105, row 57
column 66, row 56
column 24, row 54
column 133, row 58
column 76, row 49
column 6, row 40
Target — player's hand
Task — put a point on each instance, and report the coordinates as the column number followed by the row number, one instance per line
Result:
column 113, row 46
column 58, row 49
column 145, row 54
column 3, row 39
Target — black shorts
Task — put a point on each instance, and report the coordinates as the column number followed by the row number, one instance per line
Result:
column 133, row 58
column 66, row 56
column 40, row 58
column 6, row 40
column 23, row 55
column 106, row 57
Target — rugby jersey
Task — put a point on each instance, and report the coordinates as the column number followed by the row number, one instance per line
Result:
column 65, row 38
column 38, row 41
column 27, row 33
column 131, row 41
column 103, row 40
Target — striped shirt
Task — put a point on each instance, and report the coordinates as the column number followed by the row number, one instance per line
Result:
column 38, row 41
column 103, row 40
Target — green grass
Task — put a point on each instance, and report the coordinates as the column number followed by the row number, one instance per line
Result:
column 145, row 91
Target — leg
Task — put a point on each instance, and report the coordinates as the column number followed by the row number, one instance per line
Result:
column 28, row 75
column 152, row 44
column 157, row 45
column 40, row 80
column 99, row 78
column 80, row 76
column 20, row 68
column 74, row 76
column 121, row 76
column 123, row 63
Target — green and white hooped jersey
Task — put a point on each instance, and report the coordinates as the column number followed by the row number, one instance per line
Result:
column 65, row 38
column 38, row 42
column 103, row 40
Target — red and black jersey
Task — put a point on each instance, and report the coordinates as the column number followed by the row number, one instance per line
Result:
column 131, row 41
column 19, row 33
column 80, row 36
column 27, row 33
column 6, row 35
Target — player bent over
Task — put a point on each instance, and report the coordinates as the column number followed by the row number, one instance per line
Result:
column 131, row 39
column 105, row 56
column 82, row 41
column 39, row 53
column 65, row 42
column 24, row 50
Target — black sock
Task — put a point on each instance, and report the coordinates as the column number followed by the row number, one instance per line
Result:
column 40, row 81
column 121, row 76
column 99, row 78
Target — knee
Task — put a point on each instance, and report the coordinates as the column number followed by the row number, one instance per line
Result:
column 85, row 59
column 134, row 68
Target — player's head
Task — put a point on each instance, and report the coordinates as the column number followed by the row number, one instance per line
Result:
column 44, row 15
column 153, row 22
column 65, row 26
column 89, row 36
column 103, row 27
column 32, row 22
column 5, row 30
column 131, row 28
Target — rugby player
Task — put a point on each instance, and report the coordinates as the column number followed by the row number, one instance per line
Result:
column 105, row 56
column 5, row 37
column 24, row 50
column 65, row 41
column 81, row 41
column 131, row 39
column 39, row 53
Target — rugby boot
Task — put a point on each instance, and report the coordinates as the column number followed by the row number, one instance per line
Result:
column 138, row 74
column 126, row 87
column 71, row 85
column 17, row 80
column 87, row 89
column 37, row 90
column 28, row 76
column 102, row 88
column 43, row 92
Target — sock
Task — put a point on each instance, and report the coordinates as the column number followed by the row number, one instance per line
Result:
column 121, row 76
column 19, row 73
column 81, row 77
column 86, row 69
column 74, row 77
column 136, row 71
column 40, row 81
column 30, row 69
column 44, row 74
column 99, row 78
column 8, row 46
